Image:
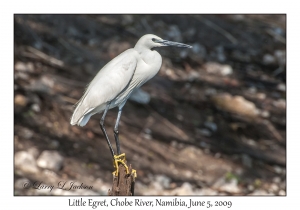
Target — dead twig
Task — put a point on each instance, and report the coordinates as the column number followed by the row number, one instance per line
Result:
column 38, row 54
column 123, row 184
column 170, row 125
column 220, row 30
column 276, row 36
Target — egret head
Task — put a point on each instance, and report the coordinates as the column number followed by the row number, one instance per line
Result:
column 150, row 41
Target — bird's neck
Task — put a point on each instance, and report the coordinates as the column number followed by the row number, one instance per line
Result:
column 141, row 49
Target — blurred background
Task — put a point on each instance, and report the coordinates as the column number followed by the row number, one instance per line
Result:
column 212, row 122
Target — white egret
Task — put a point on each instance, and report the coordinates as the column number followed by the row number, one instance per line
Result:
column 114, row 83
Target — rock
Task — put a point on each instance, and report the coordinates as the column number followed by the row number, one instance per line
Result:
column 185, row 189
column 171, row 74
column 199, row 50
column 24, row 67
column 36, row 107
column 93, row 42
column 25, row 162
column 51, row 160
column 204, row 144
column 231, row 82
column 252, row 90
column 127, row 20
column 76, row 130
column 90, row 134
column 210, row 91
column 43, row 85
column 47, row 80
column 235, row 104
column 217, row 155
column 251, row 142
column 204, row 132
column 179, row 117
column 250, row 187
column 207, row 151
column 279, row 31
column 147, row 136
column 20, row 100
column 104, row 188
column 35, row 99
column 155, row 185
column 278, row 58
column 281, row 87
column 190, row 32
column 277, row 169
column 265, row 114
column 193, row 75
column 220, row 54
column 163, row 180
column 76, row 145
column 140, row 188
column 216, row 68
column 72, row 31
column 148, row 131
column 280, row 55
column 281, row 192
column 269, row 59
column 211, row 125
column 260, row 192
column 206, row 192
column 238, row 17
column 174, row 33
column 21, row 75
column 140, row 96
column 247, row 161
column 261, row 96
column 26, row 133
column 188, row 174
column 276, row 180
column 34, row 152
column 238, row 55
column 276, row 95
column 54, row 144
column 231, row 187
column 281, row 104
column 283, row 185
column 239, row 171
column 274, row 187
column 183, row 54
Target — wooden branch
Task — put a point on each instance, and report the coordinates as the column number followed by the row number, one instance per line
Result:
column 123, row 184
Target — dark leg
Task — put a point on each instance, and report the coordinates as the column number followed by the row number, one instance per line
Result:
column 116, row 132
column 104, row 131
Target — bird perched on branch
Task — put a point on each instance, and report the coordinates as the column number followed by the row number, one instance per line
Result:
column 115, row 82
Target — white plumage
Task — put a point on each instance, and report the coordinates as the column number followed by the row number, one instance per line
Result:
column 114, row 84
column 107, row 85
column 120, row 77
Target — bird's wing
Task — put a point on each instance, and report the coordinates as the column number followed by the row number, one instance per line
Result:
column 110, row 81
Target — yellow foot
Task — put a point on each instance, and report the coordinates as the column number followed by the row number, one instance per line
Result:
column 134, row 173
column 121, row 159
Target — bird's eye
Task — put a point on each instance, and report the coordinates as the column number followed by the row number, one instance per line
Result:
column 154, row 40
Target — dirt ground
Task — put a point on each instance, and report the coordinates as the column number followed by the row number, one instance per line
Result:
column 215, row 124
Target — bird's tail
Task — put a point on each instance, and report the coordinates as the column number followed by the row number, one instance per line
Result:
column 78, row 116
column 81, row 115
column 84, row 119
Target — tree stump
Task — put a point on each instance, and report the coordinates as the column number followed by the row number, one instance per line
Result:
column 123, row 184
